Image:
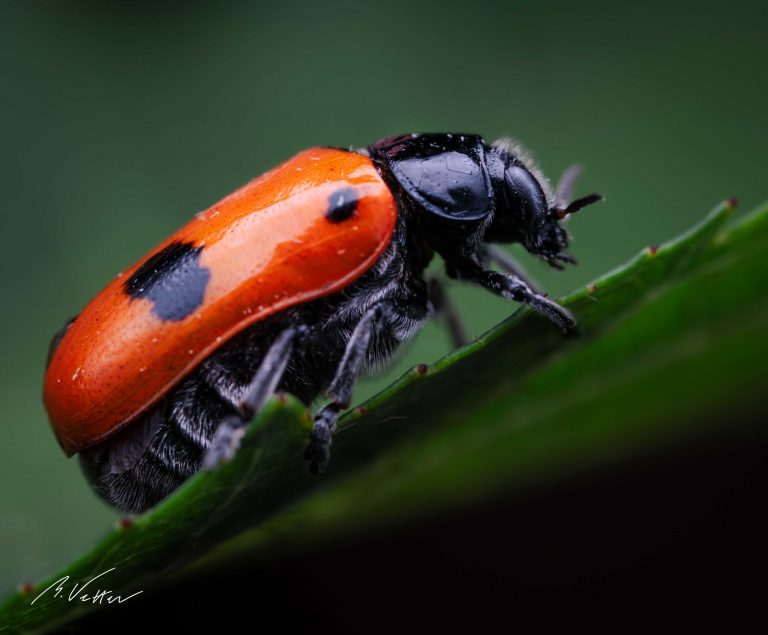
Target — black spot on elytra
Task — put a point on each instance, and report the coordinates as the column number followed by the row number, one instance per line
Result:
column 341, row 204
column 172, row 280
column 57, row 340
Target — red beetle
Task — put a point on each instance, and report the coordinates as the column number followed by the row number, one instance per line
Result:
column 298, row 281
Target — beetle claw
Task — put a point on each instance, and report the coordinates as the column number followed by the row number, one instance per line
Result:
column 318, row 451
column 225, row 444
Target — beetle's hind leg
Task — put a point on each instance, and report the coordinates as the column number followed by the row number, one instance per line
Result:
column 318, row 451
column 230, row 431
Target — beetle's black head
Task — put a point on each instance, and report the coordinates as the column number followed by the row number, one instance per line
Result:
column 465, row 192
column 527, row 210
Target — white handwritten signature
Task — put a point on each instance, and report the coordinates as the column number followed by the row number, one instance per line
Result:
column 78, row 591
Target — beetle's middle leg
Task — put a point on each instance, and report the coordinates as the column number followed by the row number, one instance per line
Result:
column 446, row 311
column 318, row 451
column 230, row 431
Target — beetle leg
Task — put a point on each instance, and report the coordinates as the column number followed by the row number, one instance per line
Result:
column 232, row 428
column 511, row 287
column 318, row 451
column 508, row 264
column 565, row 185
column 446, row 310
column 225, row 442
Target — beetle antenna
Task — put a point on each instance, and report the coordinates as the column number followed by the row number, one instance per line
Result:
column 575, row 206
column 565, row 185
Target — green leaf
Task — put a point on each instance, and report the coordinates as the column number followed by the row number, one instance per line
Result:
column 658, row 336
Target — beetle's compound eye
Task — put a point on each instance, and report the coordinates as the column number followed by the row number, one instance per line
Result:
column 525, row 197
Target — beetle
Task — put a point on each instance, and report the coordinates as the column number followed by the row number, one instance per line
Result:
column 299, row 281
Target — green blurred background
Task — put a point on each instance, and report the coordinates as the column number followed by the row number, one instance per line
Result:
column 120, row 121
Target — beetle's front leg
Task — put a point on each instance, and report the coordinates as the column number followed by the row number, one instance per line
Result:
column 508, row 264
column 511, row 287
column 318, row 451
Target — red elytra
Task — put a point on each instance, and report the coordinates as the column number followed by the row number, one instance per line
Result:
column 267, row 246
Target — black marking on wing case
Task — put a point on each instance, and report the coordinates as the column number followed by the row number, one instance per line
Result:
column 172, row 280
column 341, row 205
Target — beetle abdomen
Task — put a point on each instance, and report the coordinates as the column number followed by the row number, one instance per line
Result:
column 143, row 463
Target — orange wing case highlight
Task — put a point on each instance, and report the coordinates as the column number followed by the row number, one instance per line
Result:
column 265, row 247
